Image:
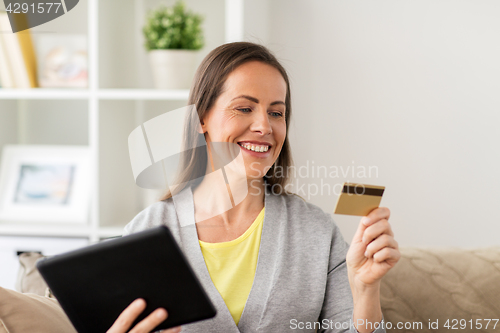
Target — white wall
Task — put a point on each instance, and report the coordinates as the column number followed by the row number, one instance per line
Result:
column 410, row 87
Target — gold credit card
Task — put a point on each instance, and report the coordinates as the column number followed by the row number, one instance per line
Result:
column 358, row 199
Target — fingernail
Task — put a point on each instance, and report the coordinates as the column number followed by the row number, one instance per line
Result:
column 138, row 302
column 160, row 313
column 366, row 254
column 365, row 220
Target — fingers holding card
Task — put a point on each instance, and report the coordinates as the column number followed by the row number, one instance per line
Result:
column 373, row 250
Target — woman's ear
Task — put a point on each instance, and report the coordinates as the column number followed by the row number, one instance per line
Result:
column 201, row 128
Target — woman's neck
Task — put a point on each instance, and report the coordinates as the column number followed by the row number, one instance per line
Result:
column 213, row 197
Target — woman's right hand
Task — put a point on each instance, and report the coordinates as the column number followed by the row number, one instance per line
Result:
column 129, row 315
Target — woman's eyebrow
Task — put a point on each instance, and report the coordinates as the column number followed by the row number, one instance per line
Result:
column 255, row 100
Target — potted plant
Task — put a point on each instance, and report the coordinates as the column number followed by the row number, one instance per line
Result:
column 173, row 38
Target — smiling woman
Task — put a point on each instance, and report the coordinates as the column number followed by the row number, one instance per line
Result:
column 239, row 81
column 266, row 260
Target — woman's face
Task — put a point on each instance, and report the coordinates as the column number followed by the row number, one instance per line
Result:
column 251, row 113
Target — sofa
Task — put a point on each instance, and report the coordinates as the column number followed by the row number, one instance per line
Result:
column 429, row 290
column 31, row 308
column 444, row 289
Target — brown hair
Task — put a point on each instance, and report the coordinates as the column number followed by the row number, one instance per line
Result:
column 207, row 86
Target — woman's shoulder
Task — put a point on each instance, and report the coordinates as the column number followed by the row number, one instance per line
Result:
column 158, row 213
column 308, row 224
column 299, row 211
column 298, row 205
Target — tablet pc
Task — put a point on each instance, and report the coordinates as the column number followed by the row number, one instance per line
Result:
column 95, row 284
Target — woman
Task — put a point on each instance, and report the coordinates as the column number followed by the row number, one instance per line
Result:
column 307, row 277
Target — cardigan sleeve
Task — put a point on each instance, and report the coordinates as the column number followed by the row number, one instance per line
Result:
column 337, row 311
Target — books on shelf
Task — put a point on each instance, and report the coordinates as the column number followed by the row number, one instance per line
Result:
column 18, row 65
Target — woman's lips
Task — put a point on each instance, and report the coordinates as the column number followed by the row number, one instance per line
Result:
column 261, row 151
column 257, row 147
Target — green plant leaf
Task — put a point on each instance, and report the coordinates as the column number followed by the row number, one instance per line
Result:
column 173, row 28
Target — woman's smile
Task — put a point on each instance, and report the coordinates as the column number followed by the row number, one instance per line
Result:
column 256, row 148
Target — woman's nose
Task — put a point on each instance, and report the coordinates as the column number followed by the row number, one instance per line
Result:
column 261, row 123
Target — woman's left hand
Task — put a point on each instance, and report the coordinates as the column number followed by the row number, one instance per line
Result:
column 373, row 251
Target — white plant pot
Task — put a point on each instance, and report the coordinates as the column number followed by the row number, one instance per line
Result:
column 173, row 69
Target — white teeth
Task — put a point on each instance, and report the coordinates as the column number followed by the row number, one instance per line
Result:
column 259, row 149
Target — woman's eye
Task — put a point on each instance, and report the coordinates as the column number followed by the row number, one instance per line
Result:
column 276, row 114
column 245, row 110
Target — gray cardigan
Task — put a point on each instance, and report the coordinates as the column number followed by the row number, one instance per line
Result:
column 301, row 279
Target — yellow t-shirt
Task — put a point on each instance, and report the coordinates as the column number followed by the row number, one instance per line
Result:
column 232, row 266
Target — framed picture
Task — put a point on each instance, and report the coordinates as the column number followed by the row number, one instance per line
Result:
column 62, row 61
column 45, row 183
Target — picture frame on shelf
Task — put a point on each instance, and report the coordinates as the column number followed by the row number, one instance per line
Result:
column 40, row 183
column 62, row 60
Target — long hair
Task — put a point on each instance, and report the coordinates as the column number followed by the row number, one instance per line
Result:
column 207, row 86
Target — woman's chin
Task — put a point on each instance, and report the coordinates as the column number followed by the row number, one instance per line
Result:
column 255, row 174
column 254, row 179
column 256, row 170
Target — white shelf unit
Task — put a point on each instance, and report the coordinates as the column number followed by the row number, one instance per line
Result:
column 100, row 94
column 117, row 100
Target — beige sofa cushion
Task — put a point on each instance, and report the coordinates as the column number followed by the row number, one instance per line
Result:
column 23, row 313
column 443, row 284
column 29, row 279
